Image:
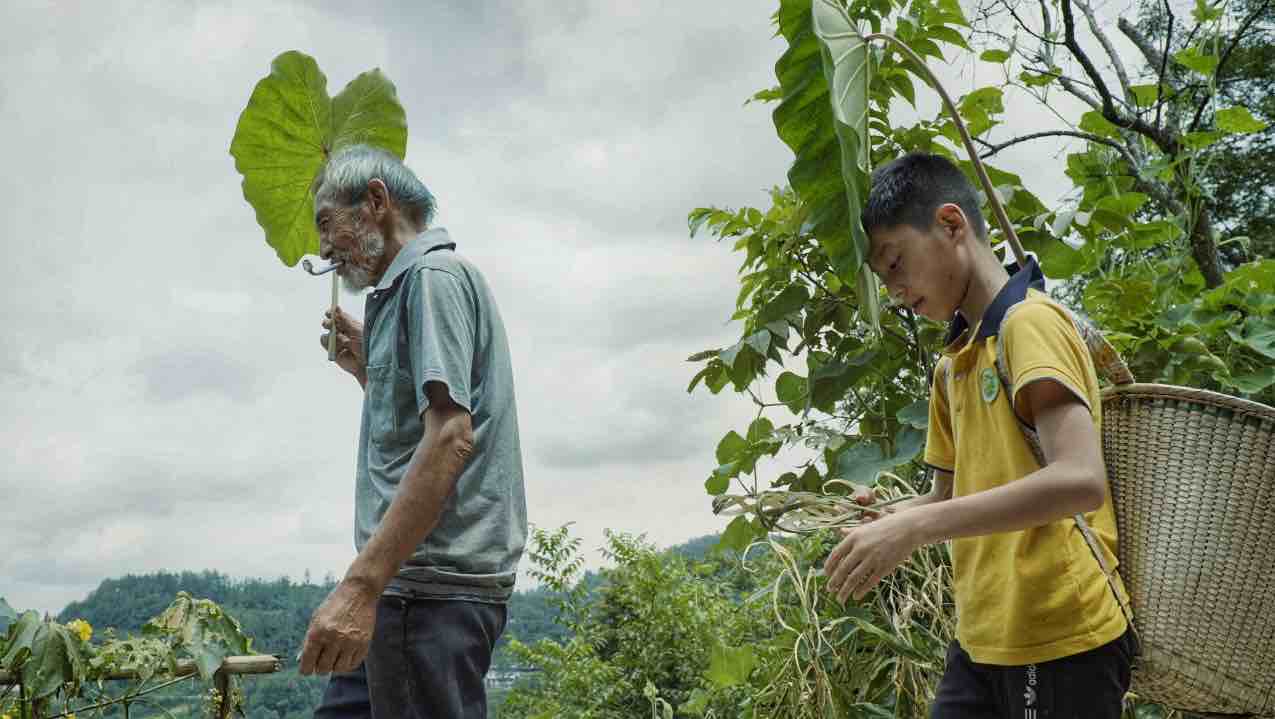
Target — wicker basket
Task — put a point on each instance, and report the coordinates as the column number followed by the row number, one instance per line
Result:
column 1193, row 484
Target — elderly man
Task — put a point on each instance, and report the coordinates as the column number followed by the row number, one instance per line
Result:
column 440, row 514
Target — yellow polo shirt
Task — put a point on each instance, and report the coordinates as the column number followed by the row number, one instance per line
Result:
column 1037, row 594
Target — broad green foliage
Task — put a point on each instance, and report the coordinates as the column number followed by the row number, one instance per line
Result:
column 202, row 629
column 54, row 661
column 288, row 131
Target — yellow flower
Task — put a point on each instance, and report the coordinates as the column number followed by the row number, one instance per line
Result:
column 82, row 628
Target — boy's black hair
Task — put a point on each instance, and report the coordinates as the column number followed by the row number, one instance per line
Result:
column 907, row 191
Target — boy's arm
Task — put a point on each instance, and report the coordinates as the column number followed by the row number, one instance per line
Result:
column 1072, row 481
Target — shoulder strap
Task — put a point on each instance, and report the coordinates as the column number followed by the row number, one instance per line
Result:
column 1086, row 332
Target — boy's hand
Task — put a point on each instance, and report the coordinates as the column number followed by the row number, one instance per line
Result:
column 868, row 553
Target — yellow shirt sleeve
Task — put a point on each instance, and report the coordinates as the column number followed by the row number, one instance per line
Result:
column 1041, row 343
column 940, row 447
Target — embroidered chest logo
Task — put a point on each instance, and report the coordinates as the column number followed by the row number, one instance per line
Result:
column 989, row 384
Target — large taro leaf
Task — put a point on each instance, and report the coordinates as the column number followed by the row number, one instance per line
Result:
column 827, row 130
column 290, row 128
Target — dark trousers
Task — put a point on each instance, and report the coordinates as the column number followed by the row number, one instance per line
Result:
column 1089, row 685
column 427, row 661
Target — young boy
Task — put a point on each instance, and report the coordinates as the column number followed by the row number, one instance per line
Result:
column 1040, row 634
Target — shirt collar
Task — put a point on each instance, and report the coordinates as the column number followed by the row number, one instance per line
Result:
column 425, row 242
column 1014, row 291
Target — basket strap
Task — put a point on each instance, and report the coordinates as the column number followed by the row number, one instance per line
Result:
column 1105, row 357
column 1033, row 442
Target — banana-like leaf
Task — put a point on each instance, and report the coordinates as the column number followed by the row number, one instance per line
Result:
column 290, row 128
column 824, row 78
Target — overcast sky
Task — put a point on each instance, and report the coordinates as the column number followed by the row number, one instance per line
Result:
column 165, row 401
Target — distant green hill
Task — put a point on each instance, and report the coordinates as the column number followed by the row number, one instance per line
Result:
column 275, row 613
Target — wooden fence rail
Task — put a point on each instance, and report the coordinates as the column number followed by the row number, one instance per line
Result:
column 255, row 664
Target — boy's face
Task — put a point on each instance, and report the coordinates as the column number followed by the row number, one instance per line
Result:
column 927, row 271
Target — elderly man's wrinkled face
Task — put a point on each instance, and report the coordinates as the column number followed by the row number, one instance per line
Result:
column 348, row 236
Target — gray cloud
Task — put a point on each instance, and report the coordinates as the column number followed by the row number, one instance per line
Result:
column 178, row 374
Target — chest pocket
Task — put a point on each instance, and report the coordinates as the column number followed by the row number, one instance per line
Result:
column 391, row 396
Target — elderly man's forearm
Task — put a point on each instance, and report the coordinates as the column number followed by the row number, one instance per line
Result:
column 416, row 508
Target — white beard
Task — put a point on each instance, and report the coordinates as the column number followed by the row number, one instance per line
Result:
column 356, row 278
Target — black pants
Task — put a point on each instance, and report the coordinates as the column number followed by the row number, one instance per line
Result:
column 428, row 660
column 1089, row 685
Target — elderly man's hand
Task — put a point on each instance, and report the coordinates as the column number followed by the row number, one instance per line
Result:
column 340, row 630
column 349, row 343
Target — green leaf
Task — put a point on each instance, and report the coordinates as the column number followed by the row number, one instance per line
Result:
column 792, row 390
column 55, row 660
column 289, row 129
column 1191, row 59
column 1145, row 95
column 916, row 414
column 990, row 99
column 759, row 342
column 790, row 300
column 367, row 112
column 6, row 612
column 737, row 536
column 718, row 482
column 1202, row 138
column 1095, row 123
column 951, row 37
column 21, row 634
column 1031, row 79
column 1253, row 382
column 907, row 445
column 1238, row 120
column 1258, row 334
column 994, row 56
column 846, row 70
column 760, row 430
column 862, row 462
column 729, row 667
column 730, row 447
column 1206, row 12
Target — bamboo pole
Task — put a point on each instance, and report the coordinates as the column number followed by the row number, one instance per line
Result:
column 255, row 664
column 336, row 284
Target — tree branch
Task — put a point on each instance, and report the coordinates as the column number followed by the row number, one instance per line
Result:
column 1167, row 142
column 1027, row 29
column 1073, row 88
column 1149, row 52
column 1103, row 40
column 993, row 149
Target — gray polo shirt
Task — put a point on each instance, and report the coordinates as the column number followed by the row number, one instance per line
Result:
column 432, row 318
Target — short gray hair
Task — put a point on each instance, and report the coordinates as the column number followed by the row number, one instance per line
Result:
column 345, row 176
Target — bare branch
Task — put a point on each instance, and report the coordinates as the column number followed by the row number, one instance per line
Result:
column 1164, row 64
column 1073, row 87
column 993, row 149
column 1153, row 56
column 1116, row 62
column 1166, row 141
column 1026, row 28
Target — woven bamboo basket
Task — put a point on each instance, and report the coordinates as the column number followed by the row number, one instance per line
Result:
column 1193, row 484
